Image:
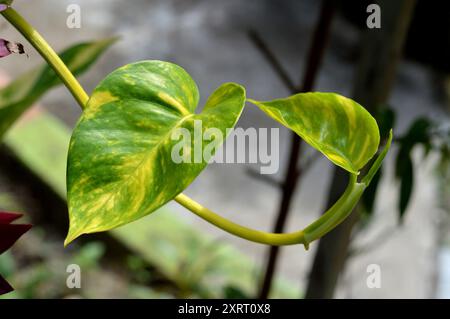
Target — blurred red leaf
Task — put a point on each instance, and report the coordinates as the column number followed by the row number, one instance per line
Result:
column 4, row 286
column 9, row 234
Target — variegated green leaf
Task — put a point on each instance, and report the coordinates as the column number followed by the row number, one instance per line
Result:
column 23, row 92
column 120, row 165
column 335, row 125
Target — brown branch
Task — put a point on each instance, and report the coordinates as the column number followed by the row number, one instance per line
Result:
column 265, row 178
column 271, row 59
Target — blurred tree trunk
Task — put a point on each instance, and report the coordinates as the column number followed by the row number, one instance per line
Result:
column 381, row 52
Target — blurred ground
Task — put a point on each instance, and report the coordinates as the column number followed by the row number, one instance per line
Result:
column 209, row 39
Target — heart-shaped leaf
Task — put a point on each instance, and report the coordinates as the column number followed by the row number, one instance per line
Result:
column 335, row 125
column 120, row 164
column 20, row 94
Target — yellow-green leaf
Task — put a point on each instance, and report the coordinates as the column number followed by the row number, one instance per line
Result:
column 337, row 126
column 120, row 165
column 25, row 90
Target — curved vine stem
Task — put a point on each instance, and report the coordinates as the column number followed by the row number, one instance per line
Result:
column 44, row 49
column 238, row 230
column 333, row 217
column 327, row 222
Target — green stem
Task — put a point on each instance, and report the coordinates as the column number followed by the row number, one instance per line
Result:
column 338, row 212
column 334, row 216
column 377, row 163
column 327, row 222
column 238, row 230
column 44, row 49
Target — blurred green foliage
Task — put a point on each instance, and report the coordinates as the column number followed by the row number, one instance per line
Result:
column 431, row 136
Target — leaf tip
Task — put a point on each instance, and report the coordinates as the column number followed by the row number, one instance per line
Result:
column 377, row 164
column 71, row 236
column 391, row 135
column 111, row 40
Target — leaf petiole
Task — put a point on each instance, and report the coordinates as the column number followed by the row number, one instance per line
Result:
column 333, row 217
column 327, row 222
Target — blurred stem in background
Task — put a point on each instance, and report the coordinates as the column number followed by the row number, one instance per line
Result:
column 293, row 173
column 381, row 53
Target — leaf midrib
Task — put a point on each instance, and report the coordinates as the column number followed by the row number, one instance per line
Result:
column 148, row 155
